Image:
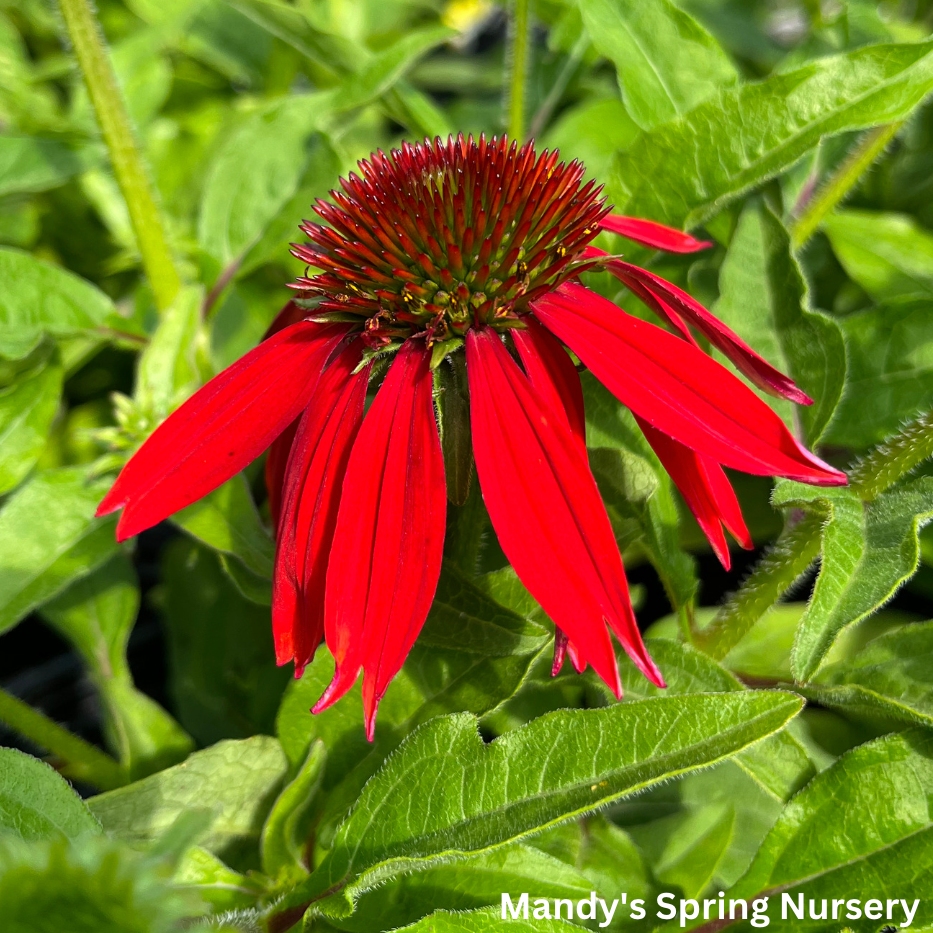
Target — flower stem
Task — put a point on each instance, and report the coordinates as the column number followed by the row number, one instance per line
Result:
column 517, row 61
column 842, row 181
column 799, row 546
column 128, row 165
column 81, row 760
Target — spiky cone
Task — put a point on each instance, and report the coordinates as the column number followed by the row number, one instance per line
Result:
column 435, row 250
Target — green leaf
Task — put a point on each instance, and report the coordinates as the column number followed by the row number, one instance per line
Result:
column 889, row 255
column 256, row 172
column 445, row 794
column 891, row 677
column 49, row 538
column 472, row 654
column 28, row 163
column 666, row 61
column 27, row 409
column 227, row 521
column 40, row 298
column 764, row 299
column 890, row 353
column 466, row 885
column 96, row 614
column 868, row 551
column 685, row 171
column 222, row 673
column 484, row 921
column 94, row 885
column 877, row 798
column 285, row 832
column 217, row 883
column 168, row 371
column 37, row 803
column 238, row 780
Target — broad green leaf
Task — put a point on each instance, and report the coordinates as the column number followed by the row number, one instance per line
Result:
column 256, row 172
column 889, row 255
column 868, row 551
column 238, row 780
column 445, row 794
column 472, row 654
column 92, row 885
column 26, row 412
column 28, row 163
column 227, row 521
column 764, row 299
column 222, row 673
column 485, row 921
column 96, row 614
column 285, row 832
column 215, row 882
column 666, row 61
column 467, row 885
column 685, row 171
column 384, row 69
column 890, row 377
column 49, row 538
column 38, row 298
column 892, row 677
column 876, row 798
column 37, row 803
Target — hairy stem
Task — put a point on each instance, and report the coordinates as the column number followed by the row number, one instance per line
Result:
column 517, row 62
column 842, row 182
column 128, row 165
column 80, row 760
column 781, row 565
column 799, row 546
column 886, row 464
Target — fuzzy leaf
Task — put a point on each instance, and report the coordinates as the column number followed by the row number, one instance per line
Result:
column 37, row 803
column 445, row 794
column 764, row 300
column 666, row 61
column 868, row 551
column 49, row 538
column 683, row 172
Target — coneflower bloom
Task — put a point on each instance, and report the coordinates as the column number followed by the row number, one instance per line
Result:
column 470, row 249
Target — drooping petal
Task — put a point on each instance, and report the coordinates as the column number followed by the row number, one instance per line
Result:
column 552, row 373
column 671, row 301
column 678, row 389
column 313, row 481
column 562, row 647
column 652, row 234
column 274, row 474
column 290, row 314
column 386, row 556
column 546, row 510
column 709, row 498
column 224, row 426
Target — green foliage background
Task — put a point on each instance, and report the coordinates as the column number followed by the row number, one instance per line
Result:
column 792, row 750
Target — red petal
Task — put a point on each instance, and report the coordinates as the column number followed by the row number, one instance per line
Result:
column 649, row 233
column 276, row 461
column 222, row 427
column 562, row 647
column 386, row 556
column 290, row 314
column 546, row 510
column 678, row 389
column 552, row 373
column 311, row 498
column 696, row 478
column 677, row 302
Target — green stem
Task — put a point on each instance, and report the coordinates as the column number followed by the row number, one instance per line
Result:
column 799, row 546
column 128, row 166
column 842, row 181
column 81, row 760
column 886, row 464
column 518, row 56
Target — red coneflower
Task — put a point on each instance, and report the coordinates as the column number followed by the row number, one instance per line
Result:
column 462, row 249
